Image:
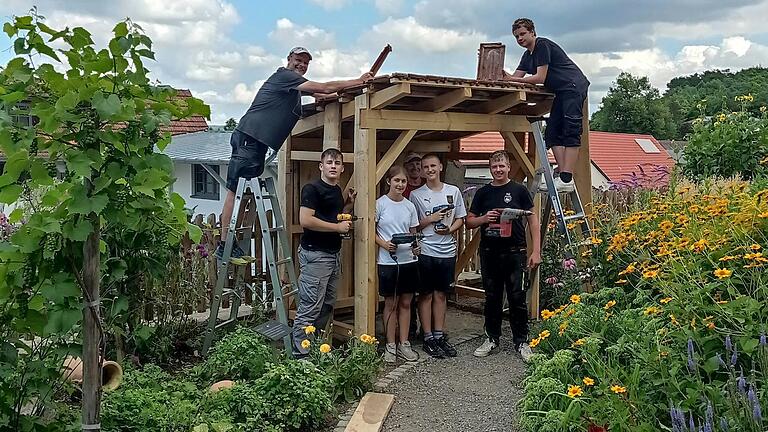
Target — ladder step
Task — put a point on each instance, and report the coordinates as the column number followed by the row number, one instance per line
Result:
column 225, row 323
column 573, row 217
column 283, row 261
column 277, row 229
column 290, row 293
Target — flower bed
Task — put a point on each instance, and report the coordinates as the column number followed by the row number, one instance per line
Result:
column 675, row 339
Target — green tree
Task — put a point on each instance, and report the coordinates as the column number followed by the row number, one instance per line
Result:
column 230, row 125
column 633, row 105
column 99, row 116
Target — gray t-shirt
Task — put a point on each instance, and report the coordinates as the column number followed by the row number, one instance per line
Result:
column 275, row 109
column 393, row 217
column 426, row 200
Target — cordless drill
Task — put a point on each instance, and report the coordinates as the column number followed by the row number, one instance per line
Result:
column 342, row 217
column 439, row 225
column 404, row 238
column 506, row 216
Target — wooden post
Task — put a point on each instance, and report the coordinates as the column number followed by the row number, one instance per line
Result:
column 91, row 330
column 365, row 230
column 332, row 126
column 534, row 292
column 583, row 174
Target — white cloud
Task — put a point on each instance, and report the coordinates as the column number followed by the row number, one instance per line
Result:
column 333, row 64
column 287, row 34
column 408, row 34
column 388, row 7
column 330, row 4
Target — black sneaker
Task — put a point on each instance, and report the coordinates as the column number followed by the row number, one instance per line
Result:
column 447, row 348
column 432, row 348
column 236, row 252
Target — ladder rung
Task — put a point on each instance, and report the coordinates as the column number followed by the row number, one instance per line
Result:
column 573, row 217
column 283, row 261
column 290, row 293
column 224, row 323
column 277, row 229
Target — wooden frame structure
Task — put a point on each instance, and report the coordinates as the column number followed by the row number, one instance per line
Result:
column 374, row 125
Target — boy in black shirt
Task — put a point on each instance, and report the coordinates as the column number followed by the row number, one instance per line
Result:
column 319, row 256
column 548, row 64
column 503, row 258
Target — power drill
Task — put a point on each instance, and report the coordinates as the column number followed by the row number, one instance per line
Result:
column 404, row 238
column 342, row 217
column 506, row 216
column 439, row 225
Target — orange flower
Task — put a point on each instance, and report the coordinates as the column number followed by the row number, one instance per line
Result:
column 574, row 391
column 588, row 381
column 534, row 342
column 722, row 273
column 650, row 274
column 578, row 342
column 610, row 304
column 575, row 299
column 618, row 389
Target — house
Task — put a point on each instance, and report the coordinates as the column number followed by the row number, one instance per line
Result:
column 617, row 158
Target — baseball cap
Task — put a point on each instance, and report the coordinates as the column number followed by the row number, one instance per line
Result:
column 300, row 50
column 411, row 156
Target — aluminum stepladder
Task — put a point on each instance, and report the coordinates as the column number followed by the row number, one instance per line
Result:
column 553, row 201
column 263, row 190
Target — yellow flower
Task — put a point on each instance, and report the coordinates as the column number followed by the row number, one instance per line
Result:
column 562, row 328
column 755, row 247
column 534, row 342
column 665, row 300
column 699, row 245
column 596, row 241
column 650, row 274
column 723, row 273
column 682, row 219
column 578, row 342
column 722, row 302
column 574, row 391
column 763, row 108
column 652, row 310
column 711, row 325
column 588, row 381
column 753, row 256
column 569, row 312
column 575, row 299
column 305, row 344
column 666, row 225
column 618, row 389
column 610, row 304
column 621, row 282
column 729, row 258
column 673, row 320
column 365, row 338
column 547, row 314
column 543, row 335
column 309, row 329
column 325, row 348
column 630, row 269
column 721, row 118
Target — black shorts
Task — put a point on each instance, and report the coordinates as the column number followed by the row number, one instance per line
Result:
column 395, row 282
column 247, row 158
column 564, row 126
column 437, row 274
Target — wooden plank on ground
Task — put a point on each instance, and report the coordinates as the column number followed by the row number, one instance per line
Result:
column 371, row 413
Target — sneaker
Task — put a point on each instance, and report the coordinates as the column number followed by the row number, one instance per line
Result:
column 432, row 348
column 447, row 348
column 390, row 353
column 486, row 348
column 525, row 352
column 405, row 352
column 563, row 187
column 237, row 253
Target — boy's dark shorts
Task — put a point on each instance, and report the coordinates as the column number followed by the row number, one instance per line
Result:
column 247, row 158
column 564, row 126
column 436, row 274
column 391, row 283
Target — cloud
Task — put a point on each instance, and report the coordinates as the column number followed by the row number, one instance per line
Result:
column 330, row 4
column 410, row 35
column 388, row 7
column 333, row 64
column 287, row 35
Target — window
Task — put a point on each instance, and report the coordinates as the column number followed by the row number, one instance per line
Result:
column 647, row 145
column 204, row 186
column 21, row 117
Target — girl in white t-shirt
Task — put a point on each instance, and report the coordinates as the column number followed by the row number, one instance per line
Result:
column 397, row 264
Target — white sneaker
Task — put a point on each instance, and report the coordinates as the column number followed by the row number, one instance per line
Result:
column 486, row 348
column 525, row 352
column 563, row 187
column 405, row 352
column 390, row 353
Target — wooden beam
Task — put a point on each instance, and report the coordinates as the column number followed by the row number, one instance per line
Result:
column 513, row 146
column 371, row 413
column 445, row 101
column 429, row 146
column 444, row 121
column 347, row 110
column 498, row 105
column 583, row 174
column 309, row 124
column 469, row 251
column 419, row 146
column 314, row 156
column 332, row 126
column 365, row 228
column 382, row 98
column 393, row 153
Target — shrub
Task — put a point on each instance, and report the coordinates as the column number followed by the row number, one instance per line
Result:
column 352, row 369
column 240, row 356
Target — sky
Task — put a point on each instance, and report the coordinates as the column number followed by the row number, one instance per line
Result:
column 224, row 50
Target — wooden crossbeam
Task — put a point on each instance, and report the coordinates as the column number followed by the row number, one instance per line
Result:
column 393, row 153
column 444, row 121
column 389, row 95
column 445, row 101
column 469, row 251
column 314, row 156
column 513, row 146
column 309, row 124
column 495, row 106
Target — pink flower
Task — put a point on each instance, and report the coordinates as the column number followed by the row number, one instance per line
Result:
column 569, row 264
column 551, row 280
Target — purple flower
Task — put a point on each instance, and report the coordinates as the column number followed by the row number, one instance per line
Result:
column 757, row 414
column 720, row 361
column 678, row 419
column 569, row 264
column 724, row 424
column 741, row 383
column 751, row 395
column 728, row 344
column 734, row 357
column 763, row 341
column 691, row 423
column 691, row 362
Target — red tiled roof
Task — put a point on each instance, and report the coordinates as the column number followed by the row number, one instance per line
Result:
column 192, row 124
column 617, row 155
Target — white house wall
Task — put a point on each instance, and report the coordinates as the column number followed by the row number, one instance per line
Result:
column 184, row 186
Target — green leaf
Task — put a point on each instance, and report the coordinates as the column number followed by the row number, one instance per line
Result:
column 106, row 106
column 59, row 289
column 148, row 181
column 10, row 194
column 37, row 303
column 67, row 102
column 62, row 321
column 40, row 174
column 45, row 223
column 44, row 49
column 121, row 29
column 27, row 239
column 78, row 231
column 16, row 215
column 79, row 163
column 195, row 233
column 749, row 345
column 9, row 29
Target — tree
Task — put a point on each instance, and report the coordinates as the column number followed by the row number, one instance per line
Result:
column 100, row 117
column 633, row 105
column 230, row 125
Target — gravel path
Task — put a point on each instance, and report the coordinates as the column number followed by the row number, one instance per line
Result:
column 463, row 394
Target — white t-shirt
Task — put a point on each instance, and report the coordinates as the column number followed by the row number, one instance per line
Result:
column 393, row 217
column 426, row 200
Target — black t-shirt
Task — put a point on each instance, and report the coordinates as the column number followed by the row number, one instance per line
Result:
column 327, row 202
column 275, row 109
column 490, row 197
column 562, row 72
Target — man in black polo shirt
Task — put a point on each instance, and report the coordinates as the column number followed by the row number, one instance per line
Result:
column 268, row 122
column 319, row 257
column 547, row 63
column 503, row 259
